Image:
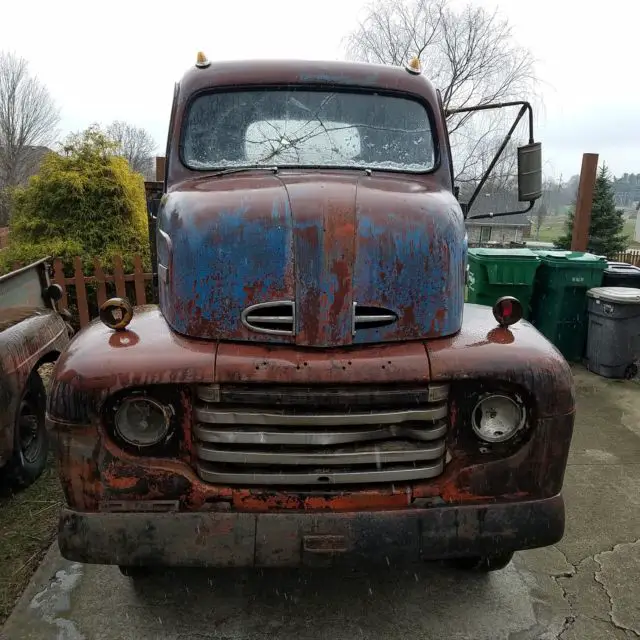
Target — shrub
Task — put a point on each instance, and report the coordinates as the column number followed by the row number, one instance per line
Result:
column 84, row 202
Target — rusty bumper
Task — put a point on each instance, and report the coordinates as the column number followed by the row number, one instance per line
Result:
column 294, row 539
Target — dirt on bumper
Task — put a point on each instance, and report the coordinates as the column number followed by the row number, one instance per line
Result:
column 294, row 539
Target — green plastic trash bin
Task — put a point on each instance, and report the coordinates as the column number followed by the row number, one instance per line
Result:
column 494, row 273
column 559, row 303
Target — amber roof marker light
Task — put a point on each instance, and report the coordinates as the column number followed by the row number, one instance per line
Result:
column 414, row 66
column 202, row 62
column 116, row 313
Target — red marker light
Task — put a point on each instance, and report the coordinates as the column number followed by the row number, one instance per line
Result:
column 507, row 311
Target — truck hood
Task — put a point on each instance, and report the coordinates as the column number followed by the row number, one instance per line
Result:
column 314, row 259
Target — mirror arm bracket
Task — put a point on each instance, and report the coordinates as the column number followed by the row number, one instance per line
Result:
column 498, row 215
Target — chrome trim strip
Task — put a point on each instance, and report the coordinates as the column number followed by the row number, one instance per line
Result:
column 318, row 478
column 375, row 456
column 214, row 416
column 436, row 392
column 246, row 319
column 379, row 318
column 315, row 438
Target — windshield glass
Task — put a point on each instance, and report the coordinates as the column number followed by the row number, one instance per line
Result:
column 290, row 127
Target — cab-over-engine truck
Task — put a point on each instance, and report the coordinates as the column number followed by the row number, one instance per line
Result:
column 311, row 385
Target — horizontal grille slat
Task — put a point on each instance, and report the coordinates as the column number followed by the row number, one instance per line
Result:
column 304, row 436
column 371, row 455
column 216, row 416
column 368, row 317
column 220, row 476
column 348, row 398
column 314, row 438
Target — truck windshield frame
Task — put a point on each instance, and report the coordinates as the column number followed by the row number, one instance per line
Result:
column 419, row 143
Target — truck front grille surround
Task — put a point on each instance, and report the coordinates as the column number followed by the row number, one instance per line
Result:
column 306, row 436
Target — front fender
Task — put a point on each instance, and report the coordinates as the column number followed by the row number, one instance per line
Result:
column 38, row 338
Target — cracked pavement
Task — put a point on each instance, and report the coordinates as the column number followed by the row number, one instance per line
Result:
column 585, row 588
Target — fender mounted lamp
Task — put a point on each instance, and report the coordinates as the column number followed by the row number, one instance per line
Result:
column 116, row 313
column 507, row 311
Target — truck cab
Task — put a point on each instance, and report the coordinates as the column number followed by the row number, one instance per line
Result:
column 311, row 384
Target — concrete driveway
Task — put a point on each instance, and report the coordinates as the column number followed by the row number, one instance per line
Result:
column 587, row 587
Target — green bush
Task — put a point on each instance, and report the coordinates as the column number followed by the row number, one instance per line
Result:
column 84, row 202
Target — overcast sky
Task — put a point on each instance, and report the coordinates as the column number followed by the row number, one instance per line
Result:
column 119, row 60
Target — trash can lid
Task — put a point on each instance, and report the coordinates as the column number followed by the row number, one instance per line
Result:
column 622, row 267
column 559, row 256
column 489, row 254
column 621, row 295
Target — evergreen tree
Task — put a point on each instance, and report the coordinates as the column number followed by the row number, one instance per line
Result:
column 606, row 231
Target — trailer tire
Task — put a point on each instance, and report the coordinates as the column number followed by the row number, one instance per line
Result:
column 31, row 443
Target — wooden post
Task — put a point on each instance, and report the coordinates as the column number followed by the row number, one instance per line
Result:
column 138, row 280
column 159, row 168
column 81, row 293
column 58, row 278
column 118, row 276
column 582, row 218
column 102, row 286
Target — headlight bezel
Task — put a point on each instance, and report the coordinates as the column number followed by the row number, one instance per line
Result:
column 499, row 438
column 169, row 398
column 464, row 397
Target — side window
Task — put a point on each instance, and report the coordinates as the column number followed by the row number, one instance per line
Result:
column 485, row 234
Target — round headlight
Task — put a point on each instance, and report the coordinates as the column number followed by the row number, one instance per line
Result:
column 142, row 422
column 497, row 418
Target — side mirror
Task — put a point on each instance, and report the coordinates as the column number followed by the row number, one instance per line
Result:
column 530, row 172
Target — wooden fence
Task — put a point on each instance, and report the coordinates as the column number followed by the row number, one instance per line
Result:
column 631, row 257
column 131, row 285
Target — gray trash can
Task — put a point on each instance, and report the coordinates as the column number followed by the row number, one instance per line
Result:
column 613, row 339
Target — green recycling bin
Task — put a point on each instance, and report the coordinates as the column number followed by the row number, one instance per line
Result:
column 494, row 273
column 559, row 303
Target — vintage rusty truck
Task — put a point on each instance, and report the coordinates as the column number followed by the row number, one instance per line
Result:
column 32, row 333
column 311, row 387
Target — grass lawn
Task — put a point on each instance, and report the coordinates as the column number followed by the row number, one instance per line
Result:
column 28, row 525
column 553, row 228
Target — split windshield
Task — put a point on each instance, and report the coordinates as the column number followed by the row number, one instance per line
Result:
column 313, row 128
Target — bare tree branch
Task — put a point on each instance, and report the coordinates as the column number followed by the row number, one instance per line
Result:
column 135, row 144
column 470, row 54
column 28, row 119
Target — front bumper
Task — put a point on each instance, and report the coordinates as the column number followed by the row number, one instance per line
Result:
column 293, row 539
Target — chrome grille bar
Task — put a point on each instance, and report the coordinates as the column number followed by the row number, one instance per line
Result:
column 211, row 474
column 281, row 435
column 215, row 416
column 313, row 438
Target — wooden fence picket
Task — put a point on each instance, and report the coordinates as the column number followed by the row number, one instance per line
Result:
column 81, row 293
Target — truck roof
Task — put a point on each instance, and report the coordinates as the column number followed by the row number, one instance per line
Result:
column 261, row 72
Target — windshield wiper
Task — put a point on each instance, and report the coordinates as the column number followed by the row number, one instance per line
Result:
column 225, row 172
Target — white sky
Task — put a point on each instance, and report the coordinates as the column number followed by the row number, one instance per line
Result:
column 119, row 60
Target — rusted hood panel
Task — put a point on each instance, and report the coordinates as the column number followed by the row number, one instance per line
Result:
column 519, row 355
column 323, row 240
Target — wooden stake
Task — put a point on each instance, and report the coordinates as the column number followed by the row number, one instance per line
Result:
column 582, row 218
